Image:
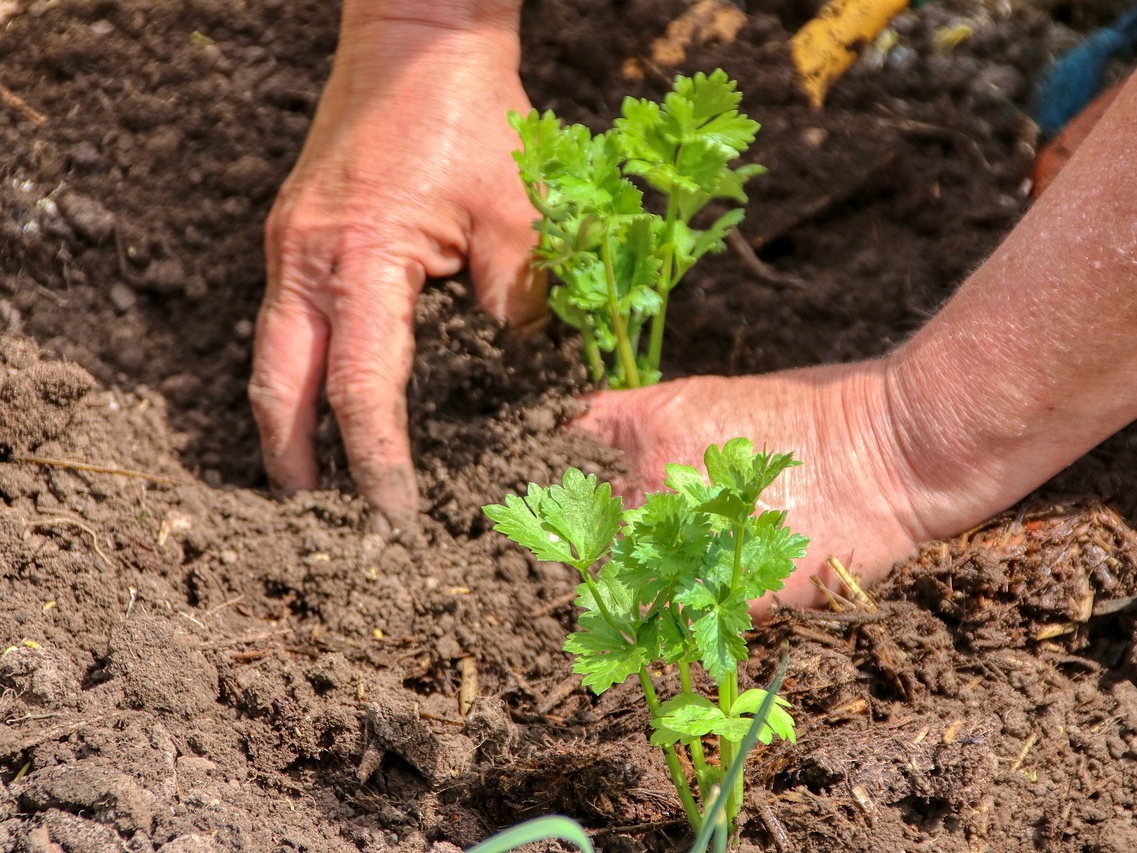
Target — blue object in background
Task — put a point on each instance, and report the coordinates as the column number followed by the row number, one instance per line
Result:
column 1076, row 77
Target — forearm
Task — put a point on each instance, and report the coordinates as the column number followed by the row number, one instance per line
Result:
column 1034, row 360
column 381, row 40
column 450, row 14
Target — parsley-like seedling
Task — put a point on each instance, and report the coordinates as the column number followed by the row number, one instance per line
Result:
column 674, row 587
column 617, row 262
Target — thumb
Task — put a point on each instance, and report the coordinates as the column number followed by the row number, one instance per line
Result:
column 506, row 284
column 610, row 417
column 621, row 419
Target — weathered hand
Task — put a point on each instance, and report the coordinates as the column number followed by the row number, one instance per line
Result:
column 406, row 174
column 1031, row 363
column 854, row 496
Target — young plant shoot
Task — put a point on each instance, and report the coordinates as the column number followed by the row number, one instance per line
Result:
column 616, row 262
column 675, row 588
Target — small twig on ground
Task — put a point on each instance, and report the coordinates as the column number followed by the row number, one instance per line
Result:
column 1022, row 753
column 248, row 638
column 468, row 689
column 13, row 100
column 635, row 827
column 856, row 616
column 65, row 519
column 759, row 268
column 559, row 693
column 777, row 831
column 856, row 591
column 911, row 127
column 837, row 603
column 215, row 610
column 811, row 208
column 556, row 604
column 97, row 469
column 28, row 718
column 833, row 640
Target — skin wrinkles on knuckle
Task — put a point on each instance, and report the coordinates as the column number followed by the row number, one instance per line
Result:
column 271, row 396
column 364, row 400
column 269, row 413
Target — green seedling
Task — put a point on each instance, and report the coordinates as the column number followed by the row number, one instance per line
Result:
column 557, row 827
column 552, row 828
column 616, row 262
column 675, row 580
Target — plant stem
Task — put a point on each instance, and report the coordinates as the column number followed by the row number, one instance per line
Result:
column 727, row 752
column 673, row 765
column 592, row 353
column 697, row 756
column 600, row 605
column 623, row 343
column 669, row 754
column 739, row 542
column 728, row 690
column 664, row 285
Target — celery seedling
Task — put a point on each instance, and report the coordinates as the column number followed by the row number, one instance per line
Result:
column 676, row 588
column 616, row 261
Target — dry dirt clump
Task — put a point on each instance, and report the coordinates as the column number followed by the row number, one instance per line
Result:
column 187, row 664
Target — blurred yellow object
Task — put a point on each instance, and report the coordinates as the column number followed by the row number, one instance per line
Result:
column 705, row 21
column 949, row 38
column 825, row 47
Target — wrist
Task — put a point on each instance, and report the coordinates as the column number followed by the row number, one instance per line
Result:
column 383, row 41
column 464, row 15
column 951, row 441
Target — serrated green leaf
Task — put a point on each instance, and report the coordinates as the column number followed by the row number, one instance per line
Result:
column 516, row 519
column 736, row 469
column 664, row 547
column 684, row 145
column 768, row 554
column 635, row 262
column 711, row 240
column 727, row 504
column 540, row 135
column 641, row 303
column 562, row 304
column 702, row 163
column 779, row 722
column 615, row 594
column 696, row 598
column 715, row 100
column 608, row 653
column 585, row 284
column 601, row 658
column 675, row 640
column 685, row 718
column 732, row 465
column 688, row 482
column 749, row 701
column 718, row 629
column 573, row 522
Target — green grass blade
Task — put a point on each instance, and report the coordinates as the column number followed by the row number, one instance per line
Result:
column 538, row 829
column 713, row 815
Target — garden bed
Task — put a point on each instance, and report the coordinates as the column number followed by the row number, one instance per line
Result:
column 192, row 665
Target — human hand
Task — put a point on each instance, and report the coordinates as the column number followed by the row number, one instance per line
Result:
column 855, row 496
column 406, row 174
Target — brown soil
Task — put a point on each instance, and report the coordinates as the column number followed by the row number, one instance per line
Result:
column 192, row 666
